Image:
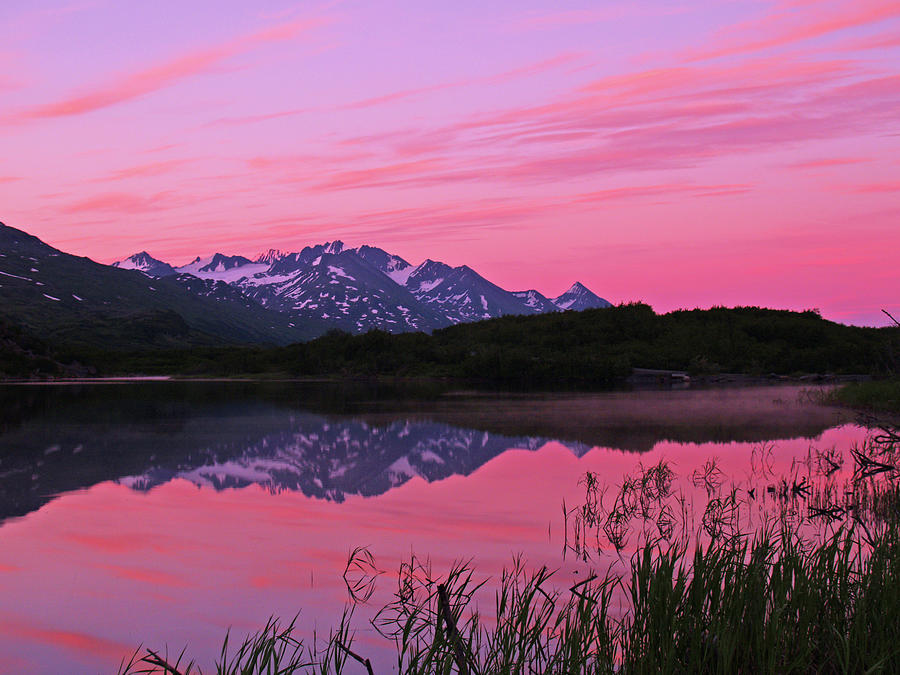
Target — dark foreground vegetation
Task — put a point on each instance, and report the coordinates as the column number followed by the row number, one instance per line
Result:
column 813, row 590
column 590, row 348
column 766, row 606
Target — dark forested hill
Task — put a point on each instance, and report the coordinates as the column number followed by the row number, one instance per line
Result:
column 589, row 348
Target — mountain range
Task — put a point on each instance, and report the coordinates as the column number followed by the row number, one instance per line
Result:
column 57, row 309
column 359, row 289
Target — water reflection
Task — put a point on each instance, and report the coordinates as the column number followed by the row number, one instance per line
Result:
column 119, row 546
column 330, row 441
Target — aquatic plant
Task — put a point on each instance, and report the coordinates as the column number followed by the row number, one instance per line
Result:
column 766, row 605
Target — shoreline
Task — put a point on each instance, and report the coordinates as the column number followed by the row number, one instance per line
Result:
column 660, row 380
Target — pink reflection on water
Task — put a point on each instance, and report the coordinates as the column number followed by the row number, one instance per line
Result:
column 94, row 573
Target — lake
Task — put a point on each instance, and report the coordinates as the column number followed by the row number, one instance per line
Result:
column 163, row 513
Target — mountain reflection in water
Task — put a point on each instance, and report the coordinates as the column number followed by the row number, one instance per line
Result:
column 329, row 441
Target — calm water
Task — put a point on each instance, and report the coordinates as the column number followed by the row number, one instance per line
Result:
column 163, row 513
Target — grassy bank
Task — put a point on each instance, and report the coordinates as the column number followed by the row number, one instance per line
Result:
column 875, row 396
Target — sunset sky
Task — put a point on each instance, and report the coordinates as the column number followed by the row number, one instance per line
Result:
column 682, row 153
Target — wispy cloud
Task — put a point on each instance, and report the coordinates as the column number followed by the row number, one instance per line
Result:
column 790, row 23
column 123, row 203
column 672, row 190
column 652, row 119
column 134, row 85
column 580, row 17
column 402, row 95
column 889, row 40
column 145, row 170
column 826, row 162
column 885, row 187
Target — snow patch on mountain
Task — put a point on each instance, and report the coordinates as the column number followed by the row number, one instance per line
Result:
column 338, row 272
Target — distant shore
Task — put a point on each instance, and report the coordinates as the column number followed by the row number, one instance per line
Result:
column 641, row 379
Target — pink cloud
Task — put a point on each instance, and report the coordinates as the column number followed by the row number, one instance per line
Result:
column 523, row 71
column 121, row 203
column 747, row 77
column 398, row 96
column 395, row 96
column 144, row 170
column 826, row 162
column 377, row 176
column 642, row 191
column 264, row 117
column 137, row 84
column 880, row 41
column 447, row 220
column 889, row 187
column 782, row 27
column 655, row 119
column 581, row 17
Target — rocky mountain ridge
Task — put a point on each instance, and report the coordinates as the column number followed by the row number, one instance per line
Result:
column 364, row 288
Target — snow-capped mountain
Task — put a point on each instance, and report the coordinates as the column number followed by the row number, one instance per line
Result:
column 579, row 298
column 221, row 267
column 536, row 301
column 358, row 289
column 460, row 294
column 146, row 263
column 394, row 266
column 340, row 288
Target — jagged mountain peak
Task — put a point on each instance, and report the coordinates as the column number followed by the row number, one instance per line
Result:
column 271, row 256
column 536, row 301
column 579, row 287
column 142, row 257
column 578, row 298
column 146, row 263
column 221, row 263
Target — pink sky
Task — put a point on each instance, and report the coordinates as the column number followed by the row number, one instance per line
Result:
column 685, row 154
